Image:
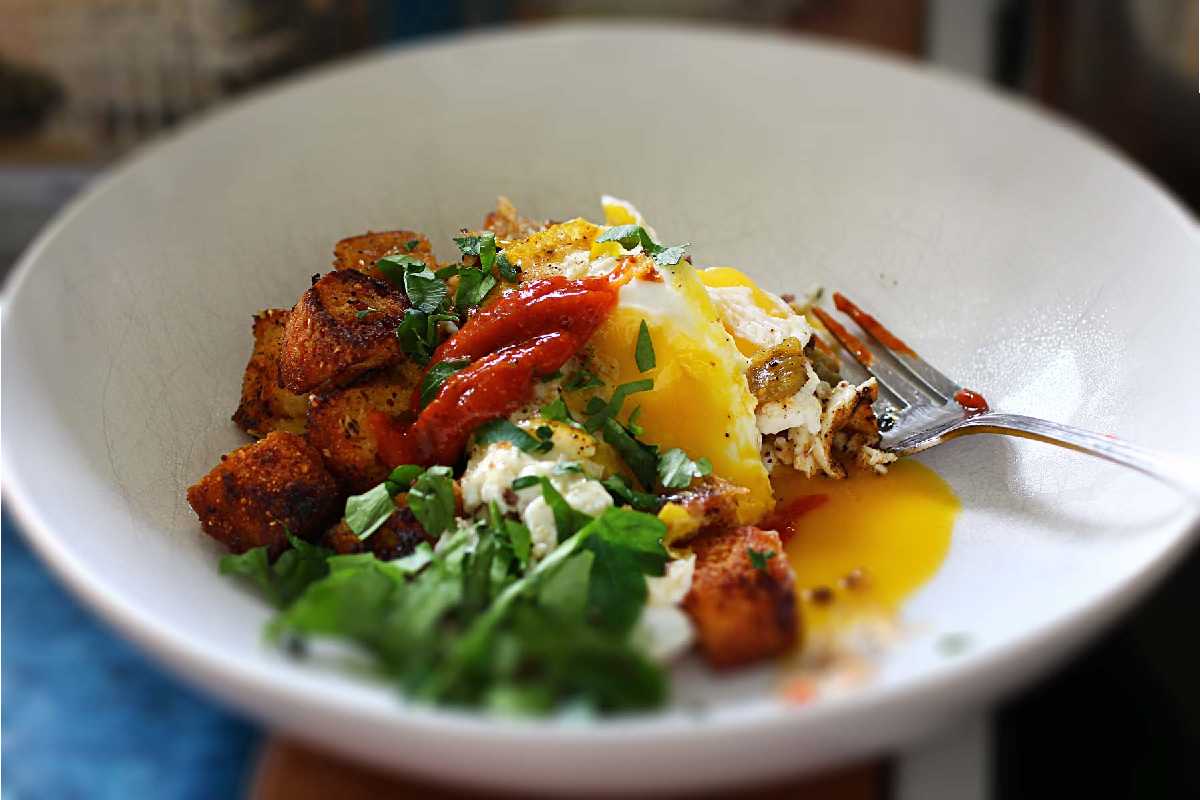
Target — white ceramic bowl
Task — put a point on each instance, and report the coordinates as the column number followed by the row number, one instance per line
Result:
column 1021, row 256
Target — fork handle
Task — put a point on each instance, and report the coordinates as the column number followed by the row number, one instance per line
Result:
column 1179, row 471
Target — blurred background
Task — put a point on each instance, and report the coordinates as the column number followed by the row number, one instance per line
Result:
column 83, row 82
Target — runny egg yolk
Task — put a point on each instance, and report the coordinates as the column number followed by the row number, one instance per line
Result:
column 860, row 546
column 700, row 402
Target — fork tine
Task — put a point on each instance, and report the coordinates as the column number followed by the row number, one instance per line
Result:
column 890, row 379
column 921, row 369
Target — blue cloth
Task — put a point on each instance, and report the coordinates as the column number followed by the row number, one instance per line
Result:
column 87, row 716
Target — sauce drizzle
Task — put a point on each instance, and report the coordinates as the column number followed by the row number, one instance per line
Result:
column 971, row 401
column 871, row 325
column 848, row 340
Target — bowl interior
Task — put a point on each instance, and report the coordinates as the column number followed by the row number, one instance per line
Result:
column 1019, row 256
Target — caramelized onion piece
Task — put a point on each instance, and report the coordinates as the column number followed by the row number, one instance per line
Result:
column 778, row 373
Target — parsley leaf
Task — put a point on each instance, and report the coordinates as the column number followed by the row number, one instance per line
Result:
column 567, row 519
column 627, row 546
column 425, row 291
column 558, row 411
column 676, row 470
column 622, row 492
column 631, row 423
column 525, row 481
column 411, row 244
column 641, row 458
column 630, row 236
column 286, row 579
column 501, row 430
column 418, row 333
column 599, row 414
column 581, row 380
column 473, row 287
column 643, row 352
column 431, row 500
column 431, row 384
column 367, row 511
column 507, row 271
column 759, row 558
column 483, row 245
column 363, row 312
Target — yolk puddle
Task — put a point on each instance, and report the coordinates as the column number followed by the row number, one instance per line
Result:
column 860, row 546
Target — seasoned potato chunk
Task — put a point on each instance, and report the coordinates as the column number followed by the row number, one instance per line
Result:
column 396, row 538
column 507, row 224
column 343, row 326
column 339, row 429
column 265, row 405
column 362, row 252
column 743, row 611
column 258, row 491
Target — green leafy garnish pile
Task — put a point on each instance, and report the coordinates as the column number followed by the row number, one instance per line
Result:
column 476, row 623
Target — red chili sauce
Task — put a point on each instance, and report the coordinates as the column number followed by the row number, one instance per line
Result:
column 527, row 333
column 848, row 340
column 871, row 325
column 972, row 402
column 784, row 518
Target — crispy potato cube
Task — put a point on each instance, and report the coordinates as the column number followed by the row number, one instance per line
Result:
column 363, row 252
column 343, row 326
column 508, row 225
column 742, row 612
column 339, row 429
column 396, row 538
column 265, row 405
column 258, row 491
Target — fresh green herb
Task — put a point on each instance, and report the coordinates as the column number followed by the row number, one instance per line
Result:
column 631, row 423
column 759, row 558
column 425, row 291
column 501, row 430
column 598, row 414
column 567, row 520
column 431, row 384
column 581, row 380
column 623, row 493
column 483, row 245
column 431, row 499
column 553, row 376
column 367, row 511
column 567, row 468
column 448, row 272
column 473, row 287
column 363, row 312
column 286, row 579
column 418, row 333
column 631, row 236
column 447, row 630
column 643, row 353
column 515, row 535
column 558, row 411
column 676, row 470
column 411, row 244
column 507, row 271
column 415, row 561
column 641, row 458
column 525, row 481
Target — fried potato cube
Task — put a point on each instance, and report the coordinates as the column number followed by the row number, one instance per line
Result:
column 338, row 426
column 396, row 538
column 265, row 405
column 343, row 326
column 743, row 611
column 260, row 492
column 363, row 252
column 507, row 224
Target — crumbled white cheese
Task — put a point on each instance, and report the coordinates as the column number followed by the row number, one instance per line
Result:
column 744, row 318
column 491, row 471
column 664, row 631
column 579, row 264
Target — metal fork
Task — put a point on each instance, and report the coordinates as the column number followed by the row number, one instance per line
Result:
column 919, row 407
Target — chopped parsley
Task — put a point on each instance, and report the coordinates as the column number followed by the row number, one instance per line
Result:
column 599, row 412
column 473, row 287
column 483, row 246
column 411, row 244
column 418, row 333
column 631, row 236
column 431, row 500
column 425, row 290
column 759, row 558
column 581, row 380
column 366, row 512
column 624, row 494
column 507, row 271
column 431, row 384
column 676, row 470
column 643, row 353
column 501, row 430
column 641, row 458
column 362, row 313
column 286, row 579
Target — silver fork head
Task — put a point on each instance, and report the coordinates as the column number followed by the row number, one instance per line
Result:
column 918, row 405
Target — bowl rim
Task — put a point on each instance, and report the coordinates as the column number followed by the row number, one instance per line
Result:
column 229, row 675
